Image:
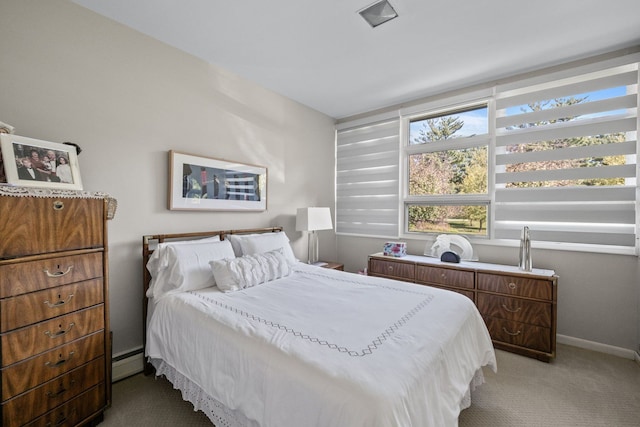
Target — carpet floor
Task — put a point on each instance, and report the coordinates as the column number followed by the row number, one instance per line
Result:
column 579, row 388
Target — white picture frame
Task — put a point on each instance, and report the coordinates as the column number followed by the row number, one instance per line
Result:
column 210, row 184
column 18, row 154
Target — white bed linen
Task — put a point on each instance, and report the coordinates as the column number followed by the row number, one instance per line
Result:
column 326, row 348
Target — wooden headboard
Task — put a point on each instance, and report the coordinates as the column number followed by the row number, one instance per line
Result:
column 150, row 242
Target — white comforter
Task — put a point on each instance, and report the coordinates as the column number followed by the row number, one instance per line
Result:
column 326, row 348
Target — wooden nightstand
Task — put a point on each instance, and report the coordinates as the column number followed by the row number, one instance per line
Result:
column 333, row 265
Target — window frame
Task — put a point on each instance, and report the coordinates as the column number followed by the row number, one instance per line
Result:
column 407, row 150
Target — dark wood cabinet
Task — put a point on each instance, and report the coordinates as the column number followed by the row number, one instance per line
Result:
column 55, row 347
column 518, row 307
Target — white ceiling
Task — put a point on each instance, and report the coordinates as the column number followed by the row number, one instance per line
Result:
column 324, row 55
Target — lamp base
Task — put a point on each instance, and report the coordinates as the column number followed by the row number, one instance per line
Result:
column 313, row 248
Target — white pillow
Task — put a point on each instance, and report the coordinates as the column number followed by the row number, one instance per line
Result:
column 158, row 259
column 188, row 267
column 249, row 270
column 261, row 243
column 235, row 241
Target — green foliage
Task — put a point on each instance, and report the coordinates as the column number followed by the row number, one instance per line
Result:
column 564, row 143
column 439, row 128
column 445, row 172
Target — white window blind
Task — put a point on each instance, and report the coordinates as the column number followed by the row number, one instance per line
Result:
column 566, row 154
column 367, row 179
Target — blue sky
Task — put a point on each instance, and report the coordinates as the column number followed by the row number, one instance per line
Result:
column 475, row 121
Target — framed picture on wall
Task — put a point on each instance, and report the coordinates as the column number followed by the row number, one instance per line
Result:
column 35, row 163
column 206, row 183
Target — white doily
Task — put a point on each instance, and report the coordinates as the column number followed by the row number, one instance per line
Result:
column 17, row 191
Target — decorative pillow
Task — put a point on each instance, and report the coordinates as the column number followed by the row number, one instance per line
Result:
column 260, row 243
column 188, row 267
column 235, row 241
column 249, row 270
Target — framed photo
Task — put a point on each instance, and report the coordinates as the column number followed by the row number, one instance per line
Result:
column 205, row 183
column 34, row 163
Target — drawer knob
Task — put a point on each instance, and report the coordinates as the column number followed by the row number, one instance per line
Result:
column 60, row 361
column 513, row 334
column 61, row 421
column 58, row 205
column 390, row 268
column 60, row 332
column 58, row 273
column 444, row 276
column 59, row 303
column 512, row 286
column 511, row 310
column 52, row 395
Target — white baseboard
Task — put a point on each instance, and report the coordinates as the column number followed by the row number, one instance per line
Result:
column 127, row 364
column 596, row 346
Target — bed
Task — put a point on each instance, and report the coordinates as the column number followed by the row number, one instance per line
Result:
column 253, row 337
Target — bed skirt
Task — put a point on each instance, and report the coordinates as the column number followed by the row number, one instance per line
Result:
column 218, row 413
column 222, row 416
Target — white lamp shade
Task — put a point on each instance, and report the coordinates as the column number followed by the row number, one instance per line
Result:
column 311, row 219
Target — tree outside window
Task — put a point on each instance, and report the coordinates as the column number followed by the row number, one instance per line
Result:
column 439, row 178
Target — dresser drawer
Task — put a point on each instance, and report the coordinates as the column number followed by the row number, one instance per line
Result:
column 27, row 406
column 30, row 276
column 394, row 269
column 520, row 334
column 468, row 294
column 31, row 308
column 75, row 411
column 22, row 376
column 517, row 286
column 26, row 342
column 445, row 276
column 35, row 225
column 520, row 310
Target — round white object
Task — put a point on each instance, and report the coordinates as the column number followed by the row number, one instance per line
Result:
column 444, row 242
column 465, row 250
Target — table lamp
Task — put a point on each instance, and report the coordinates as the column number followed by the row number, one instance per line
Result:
column 312, row 220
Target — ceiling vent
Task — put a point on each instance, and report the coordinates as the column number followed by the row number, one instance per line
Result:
column 378, row 13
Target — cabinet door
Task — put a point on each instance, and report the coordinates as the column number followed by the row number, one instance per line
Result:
column 518, row 309
column 394, row 269
column 23, row 343
column 37, row 401
column 520, row 334
column 34, row 225
column 74, row 411
column 445, row 276
column 516, row 286
column 18, row 278
column 32, row 372
column 34, row 307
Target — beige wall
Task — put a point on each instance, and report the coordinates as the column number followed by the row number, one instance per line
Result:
column 67, row 74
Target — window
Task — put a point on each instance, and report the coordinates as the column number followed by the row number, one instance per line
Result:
column 566, row 158
column 447, row 172
column 556, row 152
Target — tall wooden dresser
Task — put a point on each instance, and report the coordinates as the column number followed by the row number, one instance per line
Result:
column 55, row 346
column 518, row 307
